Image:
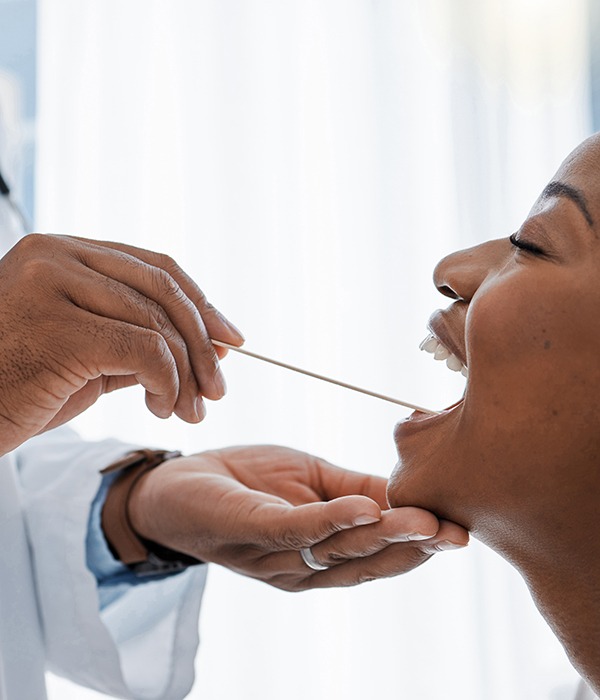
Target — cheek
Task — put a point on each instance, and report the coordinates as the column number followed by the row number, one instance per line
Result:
column 533, row 366
column 531, row 413
column 526, row 343
column 503, row 325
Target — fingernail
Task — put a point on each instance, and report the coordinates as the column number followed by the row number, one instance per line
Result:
column 415, row 536
column 219, row 380
column 365, row 520
column 445, row 545
column 234, row 329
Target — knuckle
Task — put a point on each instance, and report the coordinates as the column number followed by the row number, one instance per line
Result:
column 34, row 262
column 208, row 355
column 287, row 539
column 32, row 242
column 170, row 265
column 372, row 573
column 119, row 342
column 282, row 536
column 202, row 302
column 415, row 556
column 332, row 558
column 166, row 262
column 156, row 318
column 167, row 287
column 34, row 269
column 356, row 578
column 153, row 344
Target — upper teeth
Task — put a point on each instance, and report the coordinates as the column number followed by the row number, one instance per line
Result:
column 440, row 352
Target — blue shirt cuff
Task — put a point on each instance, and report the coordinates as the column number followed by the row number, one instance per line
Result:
column 113, row 577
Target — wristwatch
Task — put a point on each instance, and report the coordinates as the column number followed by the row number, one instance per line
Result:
column 143, row 557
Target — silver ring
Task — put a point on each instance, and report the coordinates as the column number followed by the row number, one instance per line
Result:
column 309, row 559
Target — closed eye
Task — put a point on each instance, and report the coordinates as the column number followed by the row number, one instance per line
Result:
column 523, row 244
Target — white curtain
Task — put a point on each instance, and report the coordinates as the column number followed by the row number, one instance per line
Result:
column 308, row 162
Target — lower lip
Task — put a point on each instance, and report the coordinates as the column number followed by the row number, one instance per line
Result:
column 417, row 416
column 420, row 417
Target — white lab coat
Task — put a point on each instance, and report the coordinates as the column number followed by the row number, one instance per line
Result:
column 143, row 645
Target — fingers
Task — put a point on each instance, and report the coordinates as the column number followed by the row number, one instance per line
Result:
column 393, row 560
column 146, row 321
column 397, row 525
column 388, row 549
column 284, row 528
column 121, row 349
column 217, row 325
column 332, row 482
column 158, row 286
column 449, row 536
column 251, row 528
column 110, row 299
column 86, row 396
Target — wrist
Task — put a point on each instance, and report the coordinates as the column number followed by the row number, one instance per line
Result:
column 133, row 542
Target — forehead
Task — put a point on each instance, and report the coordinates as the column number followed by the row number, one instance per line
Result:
column 581, row 169
column 580, row 173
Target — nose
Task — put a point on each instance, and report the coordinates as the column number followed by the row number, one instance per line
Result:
column 460, row 274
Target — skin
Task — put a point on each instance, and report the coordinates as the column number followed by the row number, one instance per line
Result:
column 252, row 509
column 89, row 317
column 517, row 461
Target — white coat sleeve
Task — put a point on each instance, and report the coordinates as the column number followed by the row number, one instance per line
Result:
column 143, row 642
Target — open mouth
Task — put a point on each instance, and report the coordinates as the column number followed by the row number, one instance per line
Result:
column 435, row 347
column 419, row 416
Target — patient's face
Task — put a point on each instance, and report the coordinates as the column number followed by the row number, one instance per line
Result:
column 518, row 453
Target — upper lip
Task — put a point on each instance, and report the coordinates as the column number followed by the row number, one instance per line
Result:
column 448, row 326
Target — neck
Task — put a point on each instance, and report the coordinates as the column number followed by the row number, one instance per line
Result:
column 564, row 580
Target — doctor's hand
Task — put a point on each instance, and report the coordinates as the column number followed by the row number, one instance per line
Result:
column 80, row 318
column 253, row 508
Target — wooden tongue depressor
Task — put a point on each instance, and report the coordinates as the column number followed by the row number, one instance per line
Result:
column 324, row 379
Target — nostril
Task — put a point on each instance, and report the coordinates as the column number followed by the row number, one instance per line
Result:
column 447, row 291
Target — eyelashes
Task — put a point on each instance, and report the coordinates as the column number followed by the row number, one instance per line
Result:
column 527, row 246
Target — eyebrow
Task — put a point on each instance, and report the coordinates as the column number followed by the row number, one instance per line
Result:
column 560, row 189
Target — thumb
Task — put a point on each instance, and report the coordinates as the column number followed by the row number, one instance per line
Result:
column 85, row 397
column 305, row 525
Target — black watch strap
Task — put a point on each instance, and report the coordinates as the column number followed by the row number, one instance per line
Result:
column 143, row 557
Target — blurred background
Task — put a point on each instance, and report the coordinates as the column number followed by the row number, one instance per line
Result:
column 308, row 162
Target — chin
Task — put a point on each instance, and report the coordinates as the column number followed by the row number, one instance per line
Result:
column 428, row 444
column 430, row 459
